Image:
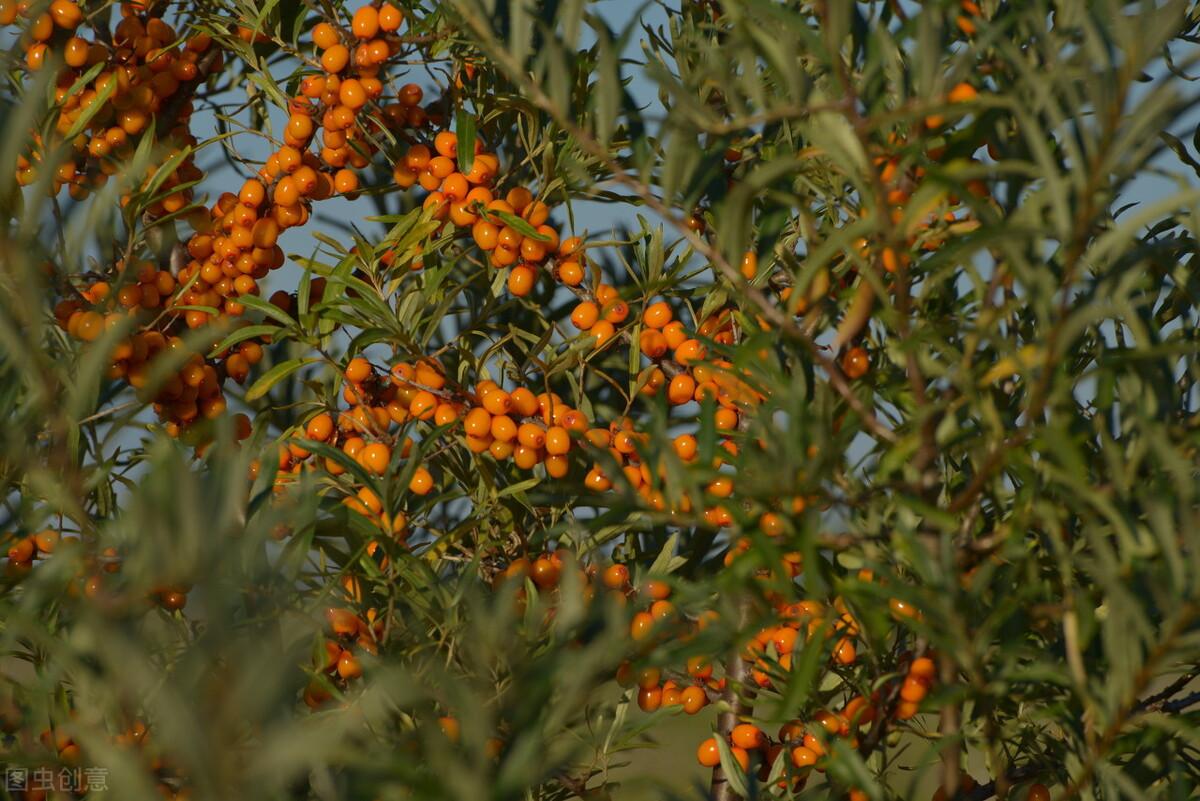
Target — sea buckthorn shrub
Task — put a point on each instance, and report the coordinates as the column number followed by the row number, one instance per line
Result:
column 524, row 400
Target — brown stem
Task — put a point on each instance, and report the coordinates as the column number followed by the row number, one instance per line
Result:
column 737, row 699
column 949, row 726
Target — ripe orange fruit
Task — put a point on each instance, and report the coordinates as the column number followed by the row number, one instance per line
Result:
column 685, row 447
column 690, row 350
column 962, row 93
column 446, row 144
column 375, row 457
column 521, row 280
column 693, row 700
column 749, row 266
column 650, row 698
column 335, row 59
column 585, row 315
column 319, row 428
column 497, row 401
column 615, row 577
column 450, row 728
column 681, row 389
column 657, row 315
column 503, row 428
column 708, row 754
column 348, row 666
column 66, row 14
column 365, row 22
column 46, row 540
column 421, row 482
column 856, row 363
column 603, row 331
column 478, row 422
column 570, row 273
column 558, row 440
column 923, row 668
column 358, row 370
column 748, row 736
column 803, row 757
column 913, row 690
column 390, row 18
column 324, row 35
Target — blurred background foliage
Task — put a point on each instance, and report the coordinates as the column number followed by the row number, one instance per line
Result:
column 1019, row 465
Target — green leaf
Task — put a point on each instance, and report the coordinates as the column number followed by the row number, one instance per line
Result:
column 464, row 130
column 273, row 376
column 267, row 308
column 730, row 769
column 243, row 334
column 519, row 225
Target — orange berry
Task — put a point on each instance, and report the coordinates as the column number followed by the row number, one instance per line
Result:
column 923, row 668
column 66, row 14
column 450, row 728
column 521, row 280
column 749, row 266
column 320, row 428
column 709, row 754
column 681, row 389
column 421, row 482
column 351, row 94
column 485, row 234
column 615, row 577
column 390, row 18
column 693, row 700
column 365, row 22
column 856, row 363
column 423, row 405
column 446, row 144
column 803, row 757
column 1037, row 792
column 348, row 666
column 657, row 590
column 497, row 401
column 657, row 315
column 685, row 447
column 603, row 331
column 531, row 435
column 962, row 93
column 570, row 273
column 335, row 59
column 747, row 735
column 650, row 698
column 324, row 35
column 75, row 52
column 358, row 370
column 913, row 690
column 503, row 428
column 690, row 350
column 345, row 181
column 558, row 440
column 375, row 457
column 585, row 315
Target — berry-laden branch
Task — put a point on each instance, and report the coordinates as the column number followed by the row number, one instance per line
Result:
column 469, row 468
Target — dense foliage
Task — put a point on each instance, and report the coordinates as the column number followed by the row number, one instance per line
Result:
column 455, row 399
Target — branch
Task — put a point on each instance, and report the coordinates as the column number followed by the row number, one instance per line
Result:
column 769, row 310
column 737, row 672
